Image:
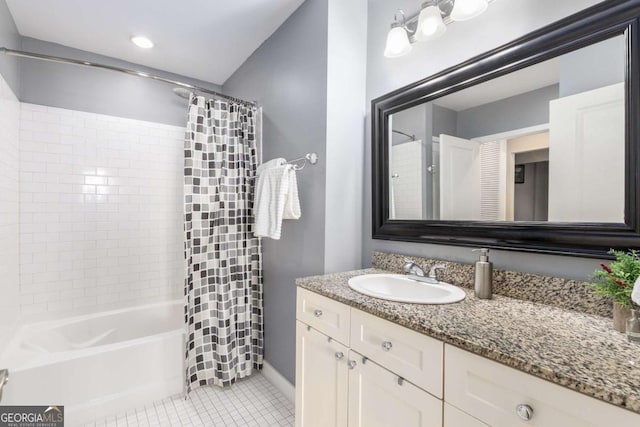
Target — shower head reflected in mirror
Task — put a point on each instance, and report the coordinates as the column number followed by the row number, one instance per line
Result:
column 182, row 92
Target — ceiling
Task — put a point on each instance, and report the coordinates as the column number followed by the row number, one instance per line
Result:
column 202, row 39
column 525, row 80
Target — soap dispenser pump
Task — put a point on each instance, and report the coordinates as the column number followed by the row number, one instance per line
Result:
column 483, row 285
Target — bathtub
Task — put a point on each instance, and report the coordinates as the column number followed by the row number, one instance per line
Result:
column 99, row 364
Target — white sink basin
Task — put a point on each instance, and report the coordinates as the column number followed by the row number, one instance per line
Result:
column 397, row 287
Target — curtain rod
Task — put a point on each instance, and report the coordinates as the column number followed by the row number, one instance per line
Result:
column 24, row 54
column 413, row 137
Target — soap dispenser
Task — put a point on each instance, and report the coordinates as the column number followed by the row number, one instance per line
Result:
column 483, row 285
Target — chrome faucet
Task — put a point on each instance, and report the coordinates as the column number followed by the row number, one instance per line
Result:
column 412, row 268
column 4, row 379
column 414, row 272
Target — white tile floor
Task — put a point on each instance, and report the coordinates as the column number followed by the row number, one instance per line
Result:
column 253, row 402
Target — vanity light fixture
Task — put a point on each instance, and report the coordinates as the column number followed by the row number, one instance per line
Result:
column 142, row 42
column 429, row 23
column 464, row 10
column 398, row 43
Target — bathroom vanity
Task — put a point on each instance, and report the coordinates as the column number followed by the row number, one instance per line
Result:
column 517, row 149
column 363, row 361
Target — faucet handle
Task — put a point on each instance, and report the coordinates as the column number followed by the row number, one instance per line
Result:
column 408, row 263
column 412, row 268
column 433, row 270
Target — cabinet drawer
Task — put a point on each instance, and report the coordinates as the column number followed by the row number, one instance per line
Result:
column 378, row 399
column 412, row 355
column 453, row 417
column 326, row 315
column 491, row 392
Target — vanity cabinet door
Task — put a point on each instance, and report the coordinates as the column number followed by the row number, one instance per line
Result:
column 501, row 396
column 321, row 379
column 378, row 398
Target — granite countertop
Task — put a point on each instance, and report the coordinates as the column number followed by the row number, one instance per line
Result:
column 572, row 349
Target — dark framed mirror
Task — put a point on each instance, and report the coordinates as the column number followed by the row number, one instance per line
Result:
column 532, row 146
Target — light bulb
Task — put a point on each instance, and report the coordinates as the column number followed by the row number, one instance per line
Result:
column 142, row 42
column 398, row 43
column 468, row 9
column 430, row 24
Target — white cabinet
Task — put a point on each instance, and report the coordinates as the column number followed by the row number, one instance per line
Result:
column 492, row 393
column 453, row 417
column 409, row 354
column 357, row 370
column 336, row 386
column 321, row 379
column 379, row 398
column 326, row 315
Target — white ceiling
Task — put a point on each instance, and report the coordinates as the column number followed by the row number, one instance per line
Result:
column 203, row 39
column 531, row 78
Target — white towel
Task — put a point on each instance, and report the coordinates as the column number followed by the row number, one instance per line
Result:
column 292, row 203
column 276, row 197
column 635, row 295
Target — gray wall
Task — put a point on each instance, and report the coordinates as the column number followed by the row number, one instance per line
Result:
column 287, row 75
column 508, row 20
column 99, row 91
column 424, row 121
column 444, row 121
column 413, row 121
column 515, row 112
column 541, row 210
column 531, row 198
column 9, row 38
column 592, row 67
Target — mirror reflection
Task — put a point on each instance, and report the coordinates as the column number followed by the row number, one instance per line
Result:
column 545, row 143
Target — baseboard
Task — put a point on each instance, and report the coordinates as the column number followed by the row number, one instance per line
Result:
column 280, row 382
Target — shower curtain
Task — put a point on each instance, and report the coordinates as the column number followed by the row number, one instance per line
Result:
column 223, row 284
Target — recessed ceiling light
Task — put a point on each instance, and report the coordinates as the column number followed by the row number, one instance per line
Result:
column 142, row 42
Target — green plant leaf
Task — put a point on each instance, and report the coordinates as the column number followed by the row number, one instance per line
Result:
column 618, row 284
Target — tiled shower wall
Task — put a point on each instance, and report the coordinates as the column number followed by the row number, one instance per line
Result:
column 407, row 186
column 100, row 210
column 9, row 196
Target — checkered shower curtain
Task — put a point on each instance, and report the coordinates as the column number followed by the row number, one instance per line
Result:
column 223, row 284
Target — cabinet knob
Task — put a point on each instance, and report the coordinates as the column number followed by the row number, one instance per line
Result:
column 351, row 364
column 525, row 412
column 339, row 355
column 386, row 345
column 317, row 313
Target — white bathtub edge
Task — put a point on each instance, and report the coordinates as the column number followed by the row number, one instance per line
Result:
column 111, row 405
column 279, row 381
